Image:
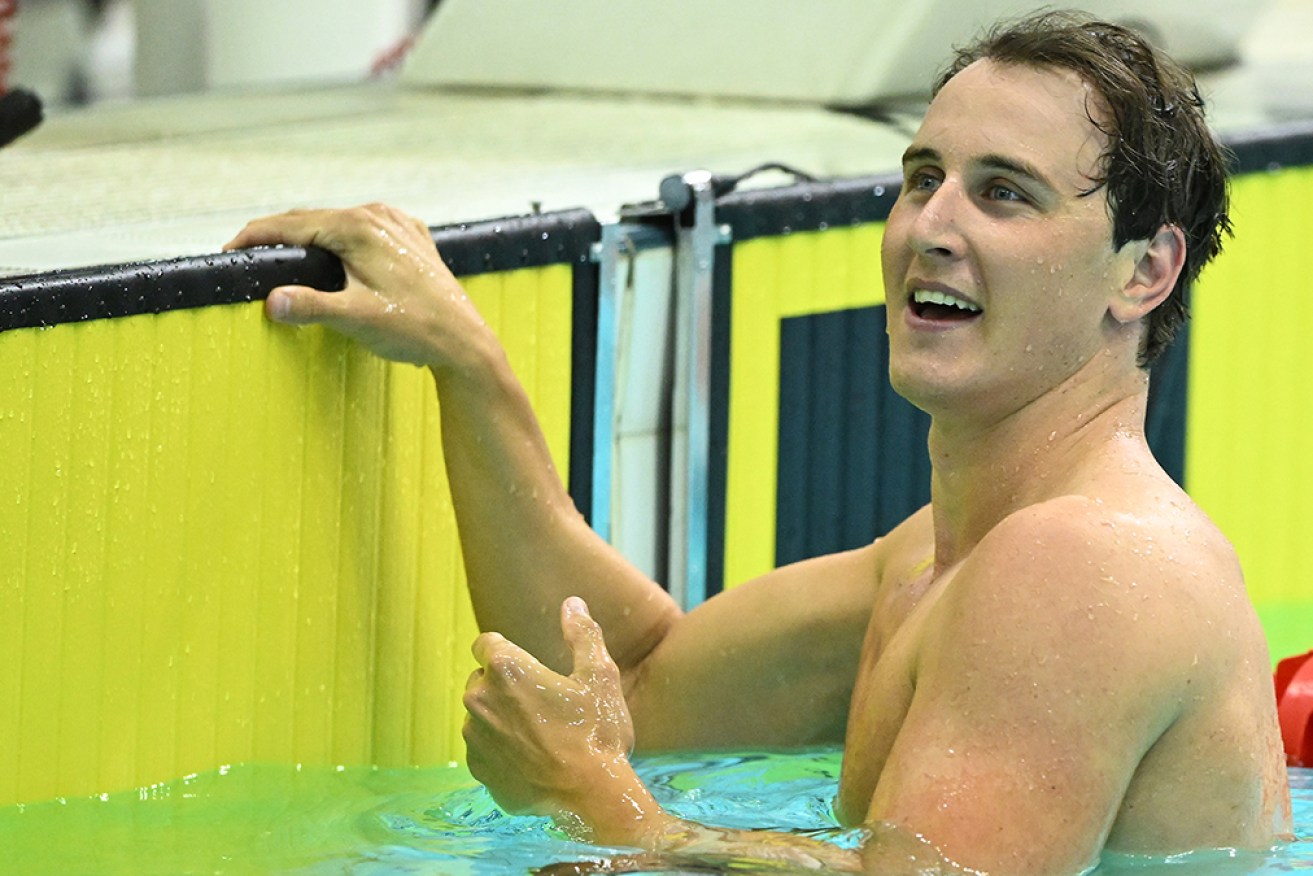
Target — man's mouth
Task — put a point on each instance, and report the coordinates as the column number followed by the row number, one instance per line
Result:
column 931, row 304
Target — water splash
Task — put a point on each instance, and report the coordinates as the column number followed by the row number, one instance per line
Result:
column 370, row 822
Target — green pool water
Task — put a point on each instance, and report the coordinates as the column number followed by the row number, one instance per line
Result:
column 370, row 822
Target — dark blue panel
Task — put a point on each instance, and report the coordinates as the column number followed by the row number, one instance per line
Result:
column 793, row 516
column 718, row 439
column 1165, row 420
column 852, row 453
column 583, row 385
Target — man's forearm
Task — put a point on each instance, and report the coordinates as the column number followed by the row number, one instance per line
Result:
column 525, row 546
column 613, row 807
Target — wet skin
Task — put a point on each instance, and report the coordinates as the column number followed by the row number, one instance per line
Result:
column 1062, row 636
column 1055, row 656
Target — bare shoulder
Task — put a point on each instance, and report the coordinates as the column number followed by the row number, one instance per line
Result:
column 1116, row 627
column 1131, row 624
column 1107, row 585
column 1158, row 546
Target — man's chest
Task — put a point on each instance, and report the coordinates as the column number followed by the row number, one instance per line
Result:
column 886, row 681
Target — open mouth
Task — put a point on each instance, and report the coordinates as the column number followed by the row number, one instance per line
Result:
column 938, row 306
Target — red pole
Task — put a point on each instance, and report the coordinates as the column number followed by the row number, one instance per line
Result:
column 7, row 10
column 1294, row 687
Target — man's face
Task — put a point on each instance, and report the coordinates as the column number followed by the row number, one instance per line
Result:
column 998, row 272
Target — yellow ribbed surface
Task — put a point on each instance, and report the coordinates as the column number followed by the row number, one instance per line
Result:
column 775, row 278
column 1249, row 445
column 225, row 541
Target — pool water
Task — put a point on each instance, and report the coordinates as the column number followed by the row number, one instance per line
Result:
column 380, row 822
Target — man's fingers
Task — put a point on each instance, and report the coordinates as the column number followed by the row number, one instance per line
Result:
column 584, row 636
column 335, row 230
column 485, row 645
column 499, row 656
column 300, row 305
column 339, row 231
column 294, row 228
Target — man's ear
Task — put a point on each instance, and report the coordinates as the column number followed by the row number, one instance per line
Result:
column 1154, row 277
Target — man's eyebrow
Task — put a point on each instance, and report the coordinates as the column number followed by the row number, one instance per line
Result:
column 1018, row 167
column 919, row 153
column 992, row 161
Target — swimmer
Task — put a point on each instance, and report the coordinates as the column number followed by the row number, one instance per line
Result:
column 1056, row 656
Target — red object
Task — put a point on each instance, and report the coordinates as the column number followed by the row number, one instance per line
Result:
column 1294, row 681
column 7, row 10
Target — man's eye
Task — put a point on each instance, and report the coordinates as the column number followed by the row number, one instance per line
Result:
column 1000, row 192
column 923, row 181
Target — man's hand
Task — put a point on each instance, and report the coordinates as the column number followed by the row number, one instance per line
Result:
column 400, row 299
column 554, row 745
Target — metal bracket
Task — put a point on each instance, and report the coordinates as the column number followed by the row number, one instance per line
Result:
column 693, row 198
column 614, row 255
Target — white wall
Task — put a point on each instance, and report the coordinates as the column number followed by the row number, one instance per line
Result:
column 188, row 45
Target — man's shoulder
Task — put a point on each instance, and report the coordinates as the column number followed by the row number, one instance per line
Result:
column 1166, row 534
column 1117, row 571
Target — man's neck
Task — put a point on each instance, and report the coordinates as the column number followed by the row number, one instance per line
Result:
column 983, row 472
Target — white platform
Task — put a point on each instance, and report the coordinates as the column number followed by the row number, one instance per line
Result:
column 179, row 176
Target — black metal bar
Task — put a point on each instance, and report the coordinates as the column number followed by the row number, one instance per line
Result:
column 108, row 291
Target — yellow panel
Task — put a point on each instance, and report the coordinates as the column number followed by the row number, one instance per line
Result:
column 43, row 605
column 83, row 634
column 775, row 278
column 354, row 678
column 239, row 610
column 228, row 541
column 1249, row 459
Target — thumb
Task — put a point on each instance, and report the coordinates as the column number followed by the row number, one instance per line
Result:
column 584, row 636
column 299, row 305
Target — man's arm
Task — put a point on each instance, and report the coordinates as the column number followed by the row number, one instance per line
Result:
column 525, row 546
column 1045, row 673
column 558, row 746
column 1030, row 715
column 769, row 663
column 712, row 678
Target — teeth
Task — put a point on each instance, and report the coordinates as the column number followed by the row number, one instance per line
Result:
column 927, row 296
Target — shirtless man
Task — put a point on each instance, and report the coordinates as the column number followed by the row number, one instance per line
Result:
column 1054, row 657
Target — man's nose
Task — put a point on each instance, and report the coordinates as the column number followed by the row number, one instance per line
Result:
column 936, row 229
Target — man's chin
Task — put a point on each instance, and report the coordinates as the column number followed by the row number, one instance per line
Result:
column 924, row 391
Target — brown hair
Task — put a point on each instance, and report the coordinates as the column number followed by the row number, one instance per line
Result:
column 1162, row 165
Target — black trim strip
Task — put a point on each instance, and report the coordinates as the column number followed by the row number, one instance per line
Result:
column 1272, row 148
column 109, row 291
column 808, row 206
column 583, row 385
column 532, row 241
column 722, row 303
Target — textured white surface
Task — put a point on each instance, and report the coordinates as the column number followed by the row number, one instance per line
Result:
column 180, row 176
column 169, row 177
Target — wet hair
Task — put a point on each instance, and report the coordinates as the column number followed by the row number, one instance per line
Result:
column 1162, row 165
